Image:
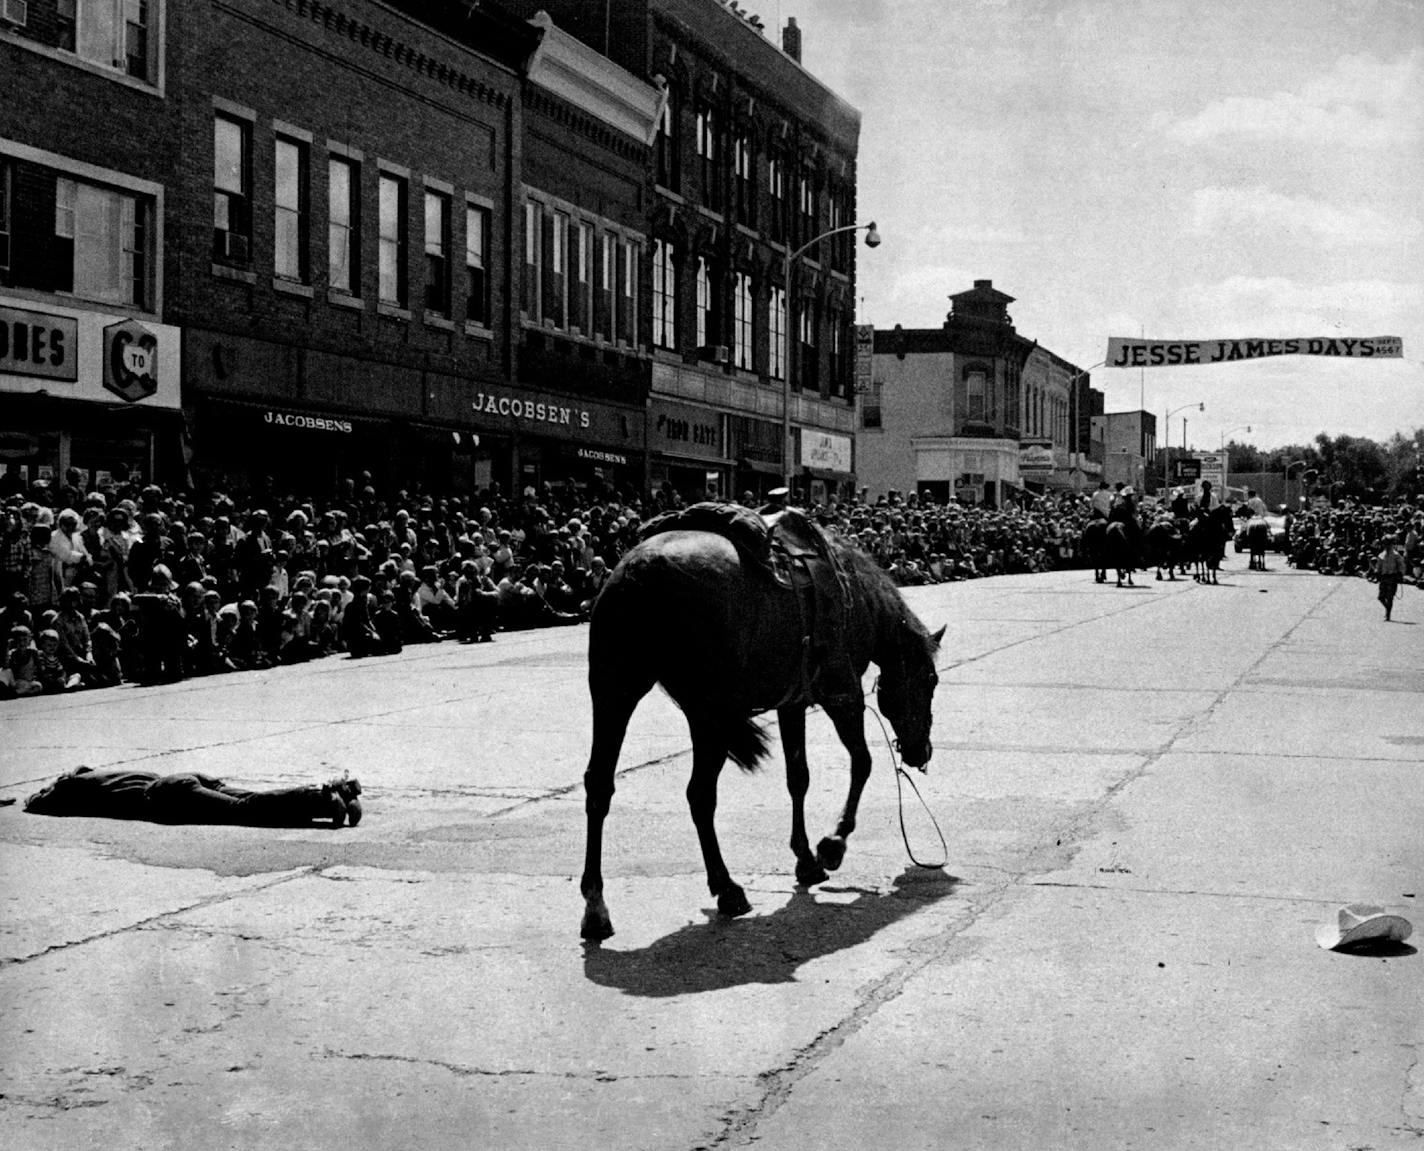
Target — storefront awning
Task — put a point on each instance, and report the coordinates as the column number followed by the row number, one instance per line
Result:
column 761, row 466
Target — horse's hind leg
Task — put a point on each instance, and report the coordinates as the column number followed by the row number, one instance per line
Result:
column 611, row 712
column 798, row 781
column 709, row 753
column 851, row 729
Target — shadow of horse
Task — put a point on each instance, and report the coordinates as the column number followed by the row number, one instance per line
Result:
column 723, row 953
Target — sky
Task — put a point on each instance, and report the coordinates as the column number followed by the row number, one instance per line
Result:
column 1179, row 170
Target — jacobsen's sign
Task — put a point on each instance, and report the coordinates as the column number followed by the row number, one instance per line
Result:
column 557, row 417
column 1128, row 352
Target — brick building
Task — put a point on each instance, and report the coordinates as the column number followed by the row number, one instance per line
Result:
column 972, row 410
column 341, row 210
column 89, row 372
column 752, row 157
column 583, row 208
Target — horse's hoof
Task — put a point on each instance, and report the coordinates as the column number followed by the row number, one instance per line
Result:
column 810, row 872
column 596, row 925
column 1159, row 577
column 830, row 852
column 733, row 902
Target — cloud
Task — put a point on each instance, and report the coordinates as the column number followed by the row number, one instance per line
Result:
column 1216, row 210
column 1362, row 100
column 1276, row 306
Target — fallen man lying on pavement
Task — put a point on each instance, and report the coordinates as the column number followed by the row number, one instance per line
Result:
column 193, row 798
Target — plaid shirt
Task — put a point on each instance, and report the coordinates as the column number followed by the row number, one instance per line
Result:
column 15, row 557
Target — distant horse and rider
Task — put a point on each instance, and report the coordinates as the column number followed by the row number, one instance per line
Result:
column 735, row 615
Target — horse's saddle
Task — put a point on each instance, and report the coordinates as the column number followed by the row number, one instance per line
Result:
column 788, row 549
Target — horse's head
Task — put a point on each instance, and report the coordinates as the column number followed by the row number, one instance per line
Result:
column 906, row 690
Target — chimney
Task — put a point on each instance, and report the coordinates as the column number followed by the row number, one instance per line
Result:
column 983, row 283
column 791, row 39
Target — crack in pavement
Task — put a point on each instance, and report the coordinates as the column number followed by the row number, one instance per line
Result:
column 739, row 1125
column 465, row 1070
column 153, row 921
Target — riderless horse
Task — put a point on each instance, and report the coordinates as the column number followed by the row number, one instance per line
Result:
column 708, row 619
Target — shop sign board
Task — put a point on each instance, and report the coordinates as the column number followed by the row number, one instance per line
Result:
column 1213, row 469
column 864, row 357
column 93, row 355
column 557, row 417
column 1036, row 459
column 38, row 344
column 825, row 450
column 685, row 430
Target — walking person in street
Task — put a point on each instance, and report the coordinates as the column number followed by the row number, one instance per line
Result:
column 1390, row 567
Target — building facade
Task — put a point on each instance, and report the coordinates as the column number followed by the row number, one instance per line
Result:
column 751, row 159
column 342, row 226
column 90, row 371
column 583, row 214
column 971, row 411
column 1129, row 442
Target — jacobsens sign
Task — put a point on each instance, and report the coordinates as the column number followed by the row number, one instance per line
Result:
column 1130, row 352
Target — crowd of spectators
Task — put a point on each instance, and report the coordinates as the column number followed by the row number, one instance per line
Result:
column 1347, row 539
column 132, row 583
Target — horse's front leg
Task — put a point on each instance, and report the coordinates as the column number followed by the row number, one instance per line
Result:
column 851, row 729
column 709, row 753
column 798, row 780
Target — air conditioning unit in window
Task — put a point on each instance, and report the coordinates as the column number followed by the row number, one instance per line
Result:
column 716, row 353
column 15, row 12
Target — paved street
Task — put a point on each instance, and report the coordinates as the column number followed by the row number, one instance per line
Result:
column 1150, row 798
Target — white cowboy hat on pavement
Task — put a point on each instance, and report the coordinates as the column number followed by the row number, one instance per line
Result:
column 1359, row 922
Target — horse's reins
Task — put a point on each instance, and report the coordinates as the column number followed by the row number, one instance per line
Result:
column 894, row 746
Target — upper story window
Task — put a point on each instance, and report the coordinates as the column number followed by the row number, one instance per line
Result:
column 343, row 232
column 776, row 193
column 806, row 204
column 437, row 253
column 744, row 174
column 580, row 275
column 232, row 190
column 776, row 333
column 742, row 321
column 808, row 360
column 555, row 266
column 667, row 146
column 477, row 239
column 607, row 274
column 709, row 304
column 394, row 241
column 120, row 37
column 709, row 154
column 292, row 214
column 975, row 395
column 529, row 302
column 839, row 365
column 664, row 295
column 625, row 303
column 103, row 243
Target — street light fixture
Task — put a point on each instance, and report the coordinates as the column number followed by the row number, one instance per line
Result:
column 1241, row 428
column 872, row 240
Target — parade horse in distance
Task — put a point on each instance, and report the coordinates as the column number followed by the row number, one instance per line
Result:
column 1258, row 539
column 702, row 616
column 1091, row 547
column 1206, row 543
column 1163, row 542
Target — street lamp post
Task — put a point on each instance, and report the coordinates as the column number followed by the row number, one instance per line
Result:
column 788, row 454
column 1167, row 439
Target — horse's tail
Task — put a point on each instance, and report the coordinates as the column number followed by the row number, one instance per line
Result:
column 747, row 743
